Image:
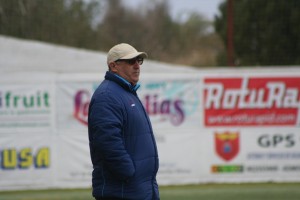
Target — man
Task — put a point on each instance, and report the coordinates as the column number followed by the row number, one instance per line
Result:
column 122, row 145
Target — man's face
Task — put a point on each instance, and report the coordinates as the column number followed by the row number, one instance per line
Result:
column 128, row 69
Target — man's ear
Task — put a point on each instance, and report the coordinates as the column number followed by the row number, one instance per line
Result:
column 112, row 67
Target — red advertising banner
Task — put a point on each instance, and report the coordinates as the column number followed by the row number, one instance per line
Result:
column 251, row 101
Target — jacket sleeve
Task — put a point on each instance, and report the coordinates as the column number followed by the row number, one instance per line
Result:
column 106, row 122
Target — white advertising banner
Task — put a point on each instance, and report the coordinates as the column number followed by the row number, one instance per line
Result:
column 253, row 123
column 74, row 167
column 215, row 126
column 253, row 155
column 172, row 104
column 73, row 99
column 26, row 160
column 27, row 107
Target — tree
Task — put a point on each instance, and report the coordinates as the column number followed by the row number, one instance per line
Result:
column 98, row 25
column 153, row 30
column 265, row 32
column 65, row 22
column 150, row 30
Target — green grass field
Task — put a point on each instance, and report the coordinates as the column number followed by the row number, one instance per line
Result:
column 262, row 191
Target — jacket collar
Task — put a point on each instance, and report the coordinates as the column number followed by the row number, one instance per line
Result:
column 122, row 82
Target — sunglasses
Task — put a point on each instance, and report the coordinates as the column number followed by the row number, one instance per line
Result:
column 132, row 61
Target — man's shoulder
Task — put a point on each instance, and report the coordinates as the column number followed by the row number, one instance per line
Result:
column 109, row 87
column 108, row 90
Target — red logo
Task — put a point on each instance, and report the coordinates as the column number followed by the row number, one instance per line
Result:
column 227, row 145
column 252, row 101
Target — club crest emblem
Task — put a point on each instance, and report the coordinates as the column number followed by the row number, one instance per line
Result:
column 227, row 145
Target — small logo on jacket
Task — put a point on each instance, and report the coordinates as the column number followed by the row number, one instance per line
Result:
column 132, row 105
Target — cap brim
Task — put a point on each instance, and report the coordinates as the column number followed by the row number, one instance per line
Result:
column 136, row 54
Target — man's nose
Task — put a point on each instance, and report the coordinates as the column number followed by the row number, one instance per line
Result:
column 136, row 65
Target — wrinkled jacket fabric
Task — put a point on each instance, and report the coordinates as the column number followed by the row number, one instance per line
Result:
column 122, row 145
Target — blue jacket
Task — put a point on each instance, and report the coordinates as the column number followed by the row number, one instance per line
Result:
column 122, row 144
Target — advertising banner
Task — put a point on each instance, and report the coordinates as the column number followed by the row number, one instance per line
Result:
column 26, row 160
column 73, row 163
column 254, row 155
column 253, row 123
column 215, row 126
column 26, row 107
column 173, row 106
column 171, row 103
column 252, row 101
column 73, row 100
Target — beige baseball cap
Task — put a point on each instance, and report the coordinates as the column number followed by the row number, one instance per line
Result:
column 123, row 51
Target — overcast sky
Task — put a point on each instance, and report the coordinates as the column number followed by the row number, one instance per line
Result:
column 207, row 8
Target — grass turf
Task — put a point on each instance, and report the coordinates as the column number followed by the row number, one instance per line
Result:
column 261, row 191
